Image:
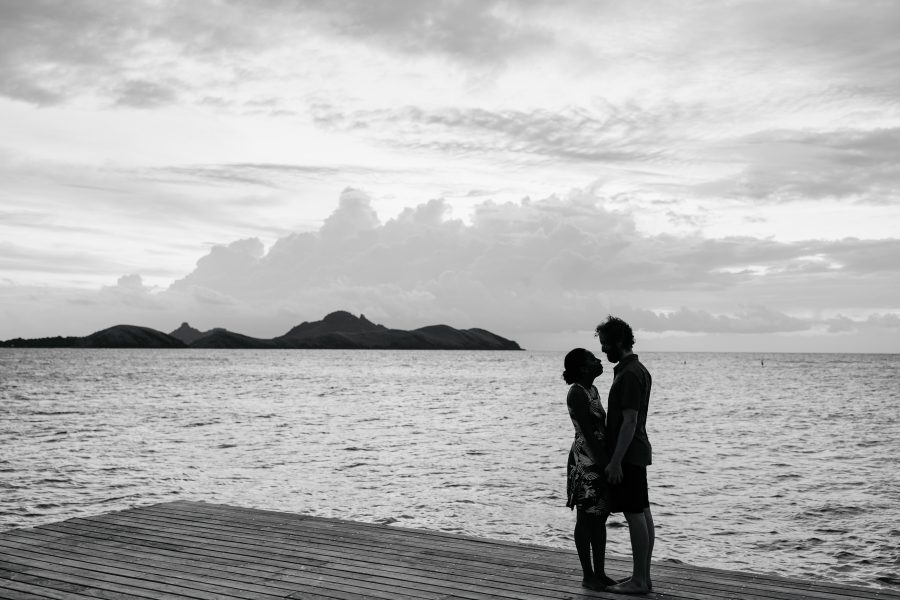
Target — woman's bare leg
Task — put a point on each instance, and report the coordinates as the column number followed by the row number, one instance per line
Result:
column 598, row 545
column 583, row 545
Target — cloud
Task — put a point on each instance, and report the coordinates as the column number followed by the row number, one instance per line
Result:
column 137, row 93
column 227, row 264
column 607, row 135
column 129, row 293
column 469, row 30
column 51, row 52
column 548, row 265
column 783, row 166
column 579, row 86
column 750, row 320
column 18, row 258
column 536, row 267
column 354, row 216
column 696, row 112
column 874, row 322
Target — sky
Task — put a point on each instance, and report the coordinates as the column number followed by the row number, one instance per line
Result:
column 724, row 175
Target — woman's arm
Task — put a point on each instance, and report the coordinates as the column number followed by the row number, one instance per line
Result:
column 579, row 408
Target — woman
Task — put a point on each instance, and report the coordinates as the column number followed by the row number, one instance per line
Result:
column 586, row 483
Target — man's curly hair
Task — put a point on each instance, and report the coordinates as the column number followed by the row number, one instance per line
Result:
column 615, row 330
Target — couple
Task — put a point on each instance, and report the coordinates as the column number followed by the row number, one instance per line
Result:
column 607, row 470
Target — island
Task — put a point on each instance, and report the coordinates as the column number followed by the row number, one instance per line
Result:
column 339, row 330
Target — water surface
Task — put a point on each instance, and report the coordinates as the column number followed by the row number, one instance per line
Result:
column 787, row 468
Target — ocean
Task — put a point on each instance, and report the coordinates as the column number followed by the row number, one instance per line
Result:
column 772, row 463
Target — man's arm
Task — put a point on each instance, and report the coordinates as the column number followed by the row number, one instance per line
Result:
column 626, row 434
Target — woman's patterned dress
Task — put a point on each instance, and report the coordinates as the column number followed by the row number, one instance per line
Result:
column 586, row 481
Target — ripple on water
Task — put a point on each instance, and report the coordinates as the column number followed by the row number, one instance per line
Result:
column 472, row 443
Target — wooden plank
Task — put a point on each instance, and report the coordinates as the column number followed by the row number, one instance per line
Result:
column 73, row 570
column 286, row 517
column 17, row 590
column 416, row 585
column 207, row 539
column 374, row 538
column 744, row 589
column 356, row 572
column 437, row 539
column 252, row 514
column 680, row 568
column 275, row 587
column 571, row 579
column 330, row 540
column 117, row 564
column 198, row 551
column 95, row 588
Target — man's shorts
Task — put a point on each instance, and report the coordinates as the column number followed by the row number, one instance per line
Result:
column 630, row 495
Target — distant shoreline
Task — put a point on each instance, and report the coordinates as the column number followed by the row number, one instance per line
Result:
column 339, row 330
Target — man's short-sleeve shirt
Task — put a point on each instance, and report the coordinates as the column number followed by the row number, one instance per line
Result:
column 630, row 389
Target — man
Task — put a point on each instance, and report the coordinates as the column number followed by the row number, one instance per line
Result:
column 626, row 430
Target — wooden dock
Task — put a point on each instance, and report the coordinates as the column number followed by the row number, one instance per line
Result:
column 193, row 550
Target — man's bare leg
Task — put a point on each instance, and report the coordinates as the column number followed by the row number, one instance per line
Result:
column 639, row 532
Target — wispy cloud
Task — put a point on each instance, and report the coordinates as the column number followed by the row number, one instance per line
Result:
column 857, row 165
column 264, row 174
column 572, row 134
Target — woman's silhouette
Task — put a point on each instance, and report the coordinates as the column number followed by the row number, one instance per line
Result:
column 586, row 481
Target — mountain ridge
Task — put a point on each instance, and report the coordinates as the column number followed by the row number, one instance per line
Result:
column 337, row 330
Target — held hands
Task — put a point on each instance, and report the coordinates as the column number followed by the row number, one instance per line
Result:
column 614, row 473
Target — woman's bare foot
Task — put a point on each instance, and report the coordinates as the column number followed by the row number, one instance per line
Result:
column 604, row 581
column 625, row 579
column 629, row 587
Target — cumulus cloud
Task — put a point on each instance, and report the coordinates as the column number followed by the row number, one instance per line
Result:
column 547, row 265
column 551, row 265
column 224, row 266
column 354, row 215
column 133, row 282
column 128, row 293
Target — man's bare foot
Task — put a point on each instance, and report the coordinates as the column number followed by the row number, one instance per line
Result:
column 629, row 587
